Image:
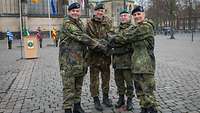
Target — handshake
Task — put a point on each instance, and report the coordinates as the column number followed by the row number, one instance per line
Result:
column 105, row 46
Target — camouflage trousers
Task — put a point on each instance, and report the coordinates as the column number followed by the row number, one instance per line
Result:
column 72, row 87
column 94, row 78
column 122, row 77
column 144, row 86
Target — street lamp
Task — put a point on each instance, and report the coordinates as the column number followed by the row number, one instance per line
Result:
column 190, row 16
column 172, row 28
column 191, row 24
column 172, row 16
column 124, row 4
column 20, row 15
column 172, row 33
column 192, row 7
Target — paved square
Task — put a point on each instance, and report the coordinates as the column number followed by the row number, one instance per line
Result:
column 34, row 86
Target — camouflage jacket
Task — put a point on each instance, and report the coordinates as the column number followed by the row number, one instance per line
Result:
column 98, row 30
column 122, row 52
column 141, row 38
column 72, row 47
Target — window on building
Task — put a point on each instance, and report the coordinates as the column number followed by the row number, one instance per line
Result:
column 9, row 7
column 41, row 8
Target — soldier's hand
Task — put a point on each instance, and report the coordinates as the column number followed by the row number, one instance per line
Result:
column 111, row 36
column 101, row 48
column 111, row 42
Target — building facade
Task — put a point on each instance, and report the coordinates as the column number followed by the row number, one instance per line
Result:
column 36, row 15
column 33, row 14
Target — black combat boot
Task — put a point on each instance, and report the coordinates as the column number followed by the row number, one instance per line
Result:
column 144, row 110
column 129, row 104
column 68, row 111
column 78, row 108
column 107, row 101
column 97, row 104
column 152, row 110
column 120, row 101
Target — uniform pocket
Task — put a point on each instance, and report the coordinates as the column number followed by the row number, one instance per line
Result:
column 77, row 71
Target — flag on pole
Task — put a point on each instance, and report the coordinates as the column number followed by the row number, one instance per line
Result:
column 53, row 7
column 25, row 32
column 35, row 1
column 82, row 4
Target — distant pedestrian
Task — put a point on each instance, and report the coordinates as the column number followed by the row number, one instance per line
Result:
column 54, row 36
column 172, row 33
column 10, row 39
column 39, row 37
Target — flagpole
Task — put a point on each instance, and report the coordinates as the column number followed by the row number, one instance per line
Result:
column 49, row 15
column 124, row 4
column 20, row 16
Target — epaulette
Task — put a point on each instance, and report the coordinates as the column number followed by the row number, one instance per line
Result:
column 90, row 20
column 67, row 22
column 66, row 18
column 107, row 20
column 147, row 25
column 131, row 26
column 150, row 23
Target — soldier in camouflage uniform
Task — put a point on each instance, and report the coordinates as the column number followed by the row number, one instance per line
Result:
column 98, row 27
column 122, row 65
column 72, row 49
column 143, row 60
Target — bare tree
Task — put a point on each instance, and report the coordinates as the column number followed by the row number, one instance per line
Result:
column 179, row 14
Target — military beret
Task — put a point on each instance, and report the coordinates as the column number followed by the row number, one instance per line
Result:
column 99, row 6
column 123, row 11
column 74, row 6
column 137, row 9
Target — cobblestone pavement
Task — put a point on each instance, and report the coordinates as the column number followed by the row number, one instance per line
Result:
column 8, row 65
column 34, row 86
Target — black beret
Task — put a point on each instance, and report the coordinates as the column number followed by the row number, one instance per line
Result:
column 137, row 9
column 123, row 11
column 74, row 6
column 99, row 6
